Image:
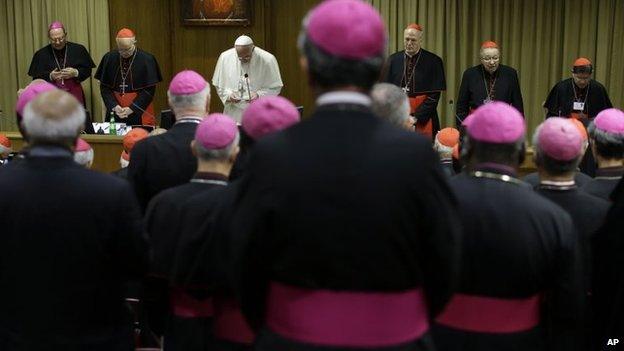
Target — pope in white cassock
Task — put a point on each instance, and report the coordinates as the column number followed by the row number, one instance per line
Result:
column 244, row 73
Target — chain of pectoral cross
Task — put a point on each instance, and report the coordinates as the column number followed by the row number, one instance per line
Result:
column 123, row 84
column 408, row 80
column 58, row 64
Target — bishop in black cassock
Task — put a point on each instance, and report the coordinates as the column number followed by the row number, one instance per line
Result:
column 191, row 305
column 607, row 142
column 62, row 63
column 66, row 255
column 128, row 78
column 205, row 249
column 521, row 282
column 421, row 75
column 164, row 161
column 340, row 247
column 558, row 150
column 489, row 81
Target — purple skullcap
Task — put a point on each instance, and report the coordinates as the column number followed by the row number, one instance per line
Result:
column 496, row 123
column 216, row 131
column 82, row 145
column 56, row 25
column 269, row 114
column 31, row 92
column 610, row 121
column 187, row 82
column 349, row 29
column 559, row 139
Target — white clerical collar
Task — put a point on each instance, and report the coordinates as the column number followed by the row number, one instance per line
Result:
column 343, row 97
column 188, row 119
column 562, row 183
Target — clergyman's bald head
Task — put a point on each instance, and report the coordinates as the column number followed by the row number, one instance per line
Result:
column 54, row 116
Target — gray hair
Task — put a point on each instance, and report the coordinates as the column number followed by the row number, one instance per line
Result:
column 41, row 122
column 442, row 150
column 222, row 154
column 84, row 158
column 197, row 100
column 549, row 164
column 390, row 103
column 607, row 145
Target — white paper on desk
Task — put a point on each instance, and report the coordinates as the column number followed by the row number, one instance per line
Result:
column 121, row 128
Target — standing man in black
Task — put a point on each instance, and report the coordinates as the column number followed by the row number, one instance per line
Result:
column 62, row 63
column 579, row 97
column 487, row 82
column 164, row 161
column 420, row 73
column 521, row 286
column 606, row 133
column 70, row 239
column 558, row 150
column 128, row 78
column 190, row 313
column 344, row 209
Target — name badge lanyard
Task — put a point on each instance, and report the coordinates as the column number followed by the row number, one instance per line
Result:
column 577, row 105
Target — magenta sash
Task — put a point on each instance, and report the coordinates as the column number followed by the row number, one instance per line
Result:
column 185, row 306
column 346, row 319
column 73, row 87
column 229, row 323
column 491, row 315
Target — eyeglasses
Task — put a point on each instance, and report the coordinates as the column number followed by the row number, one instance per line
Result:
column 493, row 58
column 58, row 40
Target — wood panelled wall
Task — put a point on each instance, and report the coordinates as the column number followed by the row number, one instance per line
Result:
column 159, row 30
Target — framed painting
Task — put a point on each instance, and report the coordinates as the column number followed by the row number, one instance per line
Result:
column 216, row 12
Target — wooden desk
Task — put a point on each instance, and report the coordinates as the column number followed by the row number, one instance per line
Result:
column 106, row 148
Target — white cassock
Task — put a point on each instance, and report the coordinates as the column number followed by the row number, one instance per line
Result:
column 263, row 77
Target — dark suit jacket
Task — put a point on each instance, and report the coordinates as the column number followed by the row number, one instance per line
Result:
column 70, row 239
column 162, row 161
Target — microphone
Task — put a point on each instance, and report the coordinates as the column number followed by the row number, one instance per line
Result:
column 247, row 80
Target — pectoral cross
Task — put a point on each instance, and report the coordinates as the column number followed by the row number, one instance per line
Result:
column 406, row 90
column 123, row 87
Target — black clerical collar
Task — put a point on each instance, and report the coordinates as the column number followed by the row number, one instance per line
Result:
column 210, row 178
column 493, row 167
column 610, row 173
column 557, row 185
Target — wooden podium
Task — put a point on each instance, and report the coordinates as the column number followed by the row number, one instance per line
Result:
column 106, row 148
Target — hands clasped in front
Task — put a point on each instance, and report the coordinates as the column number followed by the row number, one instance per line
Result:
column 122, row 112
